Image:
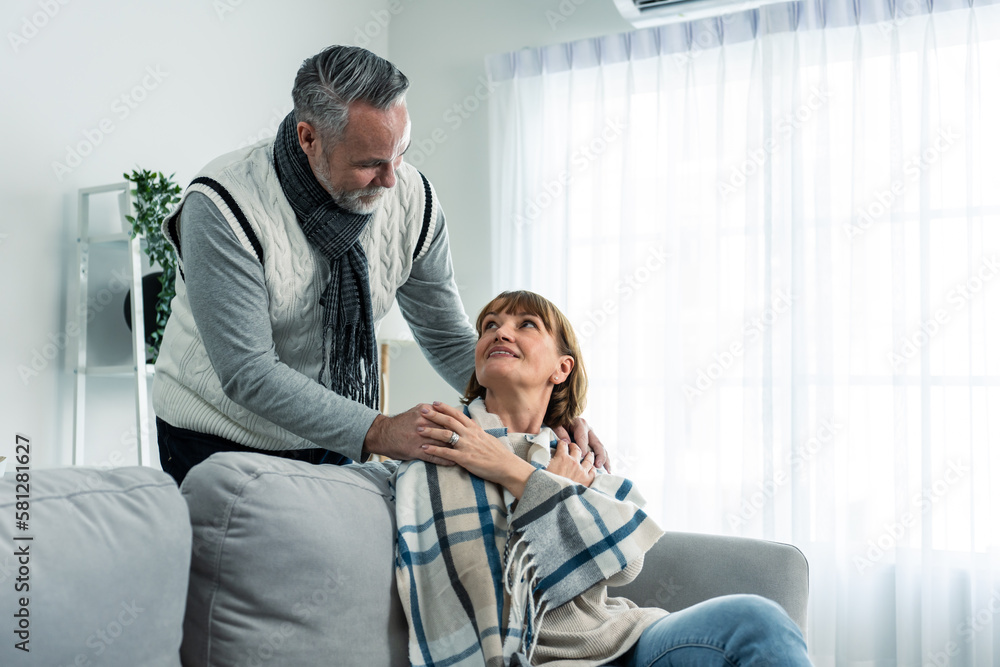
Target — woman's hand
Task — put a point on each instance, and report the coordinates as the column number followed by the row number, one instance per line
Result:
column 476, row 451
column 570, row 462
column 588, row 441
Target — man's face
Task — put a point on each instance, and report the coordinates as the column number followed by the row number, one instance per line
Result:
column 359, row 169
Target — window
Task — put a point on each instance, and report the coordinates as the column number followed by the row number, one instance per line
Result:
column 779, row 240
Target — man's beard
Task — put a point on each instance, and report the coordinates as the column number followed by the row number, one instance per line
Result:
column 363, row 200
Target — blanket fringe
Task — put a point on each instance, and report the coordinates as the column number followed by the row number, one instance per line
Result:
column 521, row 582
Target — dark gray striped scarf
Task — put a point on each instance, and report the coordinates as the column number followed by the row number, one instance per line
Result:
column 349, row 350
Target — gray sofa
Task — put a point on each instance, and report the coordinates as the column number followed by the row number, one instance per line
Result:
column 268, row 562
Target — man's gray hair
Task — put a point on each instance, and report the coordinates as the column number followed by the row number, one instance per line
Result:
column 329, row 81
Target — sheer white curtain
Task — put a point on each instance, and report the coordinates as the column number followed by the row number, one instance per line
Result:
column 778, row 234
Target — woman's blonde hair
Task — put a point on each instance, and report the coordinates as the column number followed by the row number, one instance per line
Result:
column 569, row 397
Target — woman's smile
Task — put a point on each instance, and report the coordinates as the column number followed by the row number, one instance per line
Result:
column 501, row 351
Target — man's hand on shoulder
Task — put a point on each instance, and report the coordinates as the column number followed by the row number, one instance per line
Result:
column 397, row 437
column 587, row 439
column 570, row 462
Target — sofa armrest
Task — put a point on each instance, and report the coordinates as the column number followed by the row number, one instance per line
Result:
column 104, row 574
column 683, row 569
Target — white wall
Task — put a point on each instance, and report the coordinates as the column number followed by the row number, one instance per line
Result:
column 203, row 77
column 441, row 45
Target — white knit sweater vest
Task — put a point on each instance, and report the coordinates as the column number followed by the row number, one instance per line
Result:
column 244, row 186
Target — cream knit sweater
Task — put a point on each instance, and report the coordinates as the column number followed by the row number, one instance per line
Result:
column 592, row 628
column 187, row 393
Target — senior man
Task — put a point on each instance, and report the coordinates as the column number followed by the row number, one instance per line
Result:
column 290, row 252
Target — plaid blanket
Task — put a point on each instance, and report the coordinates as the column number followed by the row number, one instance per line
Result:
column 476, row 572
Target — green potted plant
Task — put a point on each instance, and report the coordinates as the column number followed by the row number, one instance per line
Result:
column 155, row 196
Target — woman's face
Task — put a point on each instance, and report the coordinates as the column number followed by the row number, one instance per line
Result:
column 515, row 350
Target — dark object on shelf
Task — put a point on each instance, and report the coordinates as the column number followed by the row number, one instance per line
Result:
column 150, row 293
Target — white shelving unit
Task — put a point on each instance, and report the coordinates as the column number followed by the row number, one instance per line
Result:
column 139, row 370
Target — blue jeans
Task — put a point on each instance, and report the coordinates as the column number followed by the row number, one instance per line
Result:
column 730, row 631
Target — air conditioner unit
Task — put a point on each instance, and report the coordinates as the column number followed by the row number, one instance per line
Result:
column 648, row 13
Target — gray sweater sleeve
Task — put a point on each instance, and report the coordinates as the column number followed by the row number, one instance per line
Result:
column 430, row 303
column 229, row 301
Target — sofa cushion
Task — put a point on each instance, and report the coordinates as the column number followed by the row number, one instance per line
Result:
column 683, row 569
column 292, row 564
column 106, row 570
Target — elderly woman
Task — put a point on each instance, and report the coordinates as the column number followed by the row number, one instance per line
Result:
column 505, row 558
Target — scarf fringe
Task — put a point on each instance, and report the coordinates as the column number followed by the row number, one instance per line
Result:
column 520, row 583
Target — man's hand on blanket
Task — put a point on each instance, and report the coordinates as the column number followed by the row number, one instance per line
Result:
column 399, row 437
column 476, row 450
column 587, row 440
column 570, row 462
